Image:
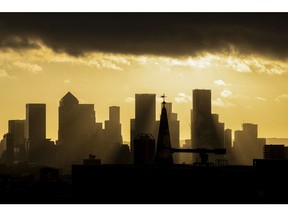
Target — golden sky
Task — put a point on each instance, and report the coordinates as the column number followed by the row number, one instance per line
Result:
column 107, row 58
column 245, row 88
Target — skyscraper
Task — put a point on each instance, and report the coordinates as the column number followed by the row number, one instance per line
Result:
column 114, row 114
column 77, row 128
column 112, row 135
column 207, row 131
column 247, row 146
column 35, row 129
column 202, row 121
column 67, row 112
column 145, row 117
column 228, row 144
column 75, row 119
column 145, row 113
column 16, row 128
column 113, row 126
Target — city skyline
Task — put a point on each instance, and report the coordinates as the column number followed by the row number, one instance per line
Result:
column 95, row 78
column 127, row 133
column 106, row 61
column 128, row 140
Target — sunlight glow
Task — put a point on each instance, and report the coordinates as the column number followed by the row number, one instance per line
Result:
column 106, row 79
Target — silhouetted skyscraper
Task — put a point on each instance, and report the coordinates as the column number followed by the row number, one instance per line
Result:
column 77, row 129
column 207, row 131
column 75, row 120
column 145, row 117
column 113, row 126
column 202, row 122
column 218, row 140
column 163, row 153
column 228, row 144
column 16, row 128
column 247, row 146
column 67, row 113
column 112, row 135
column 114, row 114
column 145, row 113
column 35, row 129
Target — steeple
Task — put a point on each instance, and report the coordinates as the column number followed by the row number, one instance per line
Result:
column 163, row 103
column 163, row 153
column 69, row 99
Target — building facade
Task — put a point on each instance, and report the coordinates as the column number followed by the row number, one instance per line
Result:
column 77, row 129
column 16, row 128
column 35, row 130
column 145, row 117
column 247, row 146
column 206, row 130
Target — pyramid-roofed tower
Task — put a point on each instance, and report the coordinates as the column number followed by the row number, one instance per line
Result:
column 69, row 99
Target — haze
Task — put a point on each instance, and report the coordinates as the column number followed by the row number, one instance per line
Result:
column 106, row 58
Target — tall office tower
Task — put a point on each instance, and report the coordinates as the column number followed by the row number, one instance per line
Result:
column 77, row 129
column 228, row 144
column 219, row 138
column 145, row 117
column 68, row 110
column 113, row 126
column 174, row 129
column 145, row 113
column 247, row 146
column 202, row 119
column 207, row 131
column 112, row 135
column 35, row 130
column 75, row 120
column 16, row 128
column 114, row 114
column 163, row 154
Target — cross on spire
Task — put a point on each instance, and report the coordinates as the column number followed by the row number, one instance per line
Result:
column 163, row 96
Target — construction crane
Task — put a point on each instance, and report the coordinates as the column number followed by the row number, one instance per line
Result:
column 203, row 152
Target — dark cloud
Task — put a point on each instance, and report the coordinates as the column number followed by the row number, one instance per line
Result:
column 148, row 33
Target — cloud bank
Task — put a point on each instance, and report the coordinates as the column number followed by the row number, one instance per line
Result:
column 169, row 34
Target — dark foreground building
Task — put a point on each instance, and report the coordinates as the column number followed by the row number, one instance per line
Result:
column 180, row 184
column 263, row 183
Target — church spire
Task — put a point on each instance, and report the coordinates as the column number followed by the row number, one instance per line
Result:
column 163, row 153
column 163, row 103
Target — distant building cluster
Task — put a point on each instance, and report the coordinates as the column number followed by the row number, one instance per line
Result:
column 247, row 145
column 81, row 138
column 79, row 135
